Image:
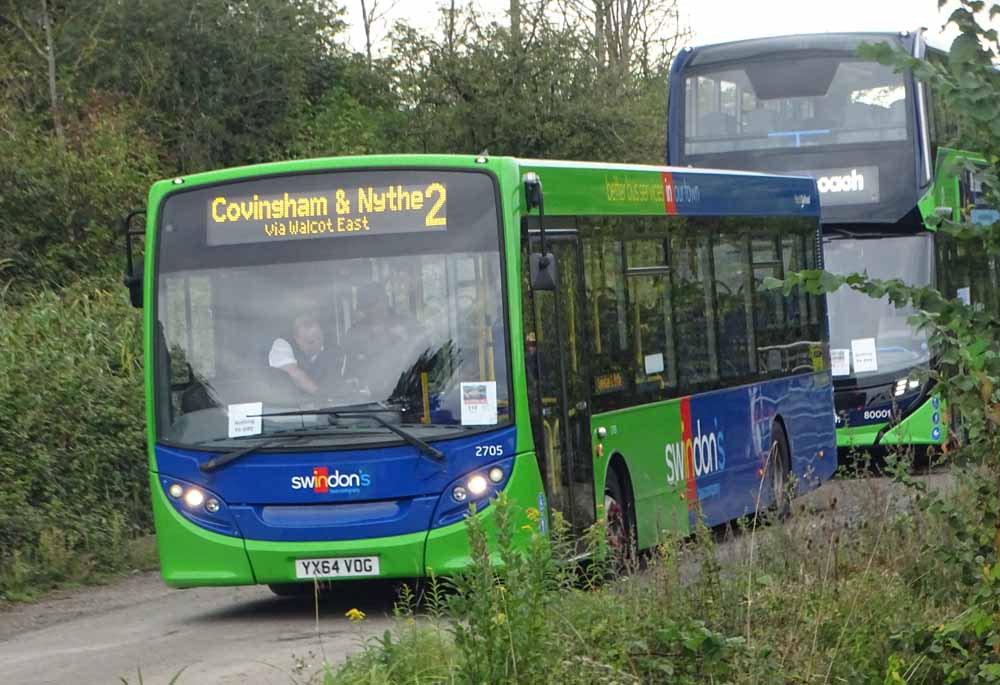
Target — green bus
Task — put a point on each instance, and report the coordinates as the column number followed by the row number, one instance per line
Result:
column 347, row 357
column 808, row 104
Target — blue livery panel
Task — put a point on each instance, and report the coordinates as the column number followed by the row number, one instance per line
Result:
column 334, row 495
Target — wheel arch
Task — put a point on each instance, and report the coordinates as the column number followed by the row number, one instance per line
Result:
column 617, row 464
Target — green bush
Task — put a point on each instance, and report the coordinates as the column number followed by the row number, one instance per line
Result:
column 72, row 437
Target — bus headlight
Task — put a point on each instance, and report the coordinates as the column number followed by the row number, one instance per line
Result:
column 194, row 498
column 477, row 485
column 212, row 505
column 459, row 494
column 176, row 490
column 900, row 387
column 496, row 474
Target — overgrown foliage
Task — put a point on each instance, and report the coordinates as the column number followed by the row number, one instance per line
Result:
column 816, row 599
column 72, row 436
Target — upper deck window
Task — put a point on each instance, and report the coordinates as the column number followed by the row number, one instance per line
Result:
column 793, row 102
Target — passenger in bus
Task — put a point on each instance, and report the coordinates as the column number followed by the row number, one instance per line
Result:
column 305, row 357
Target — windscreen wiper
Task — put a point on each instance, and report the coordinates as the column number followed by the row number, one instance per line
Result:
column 273, row 439
column 228, row 457
column 424, row 447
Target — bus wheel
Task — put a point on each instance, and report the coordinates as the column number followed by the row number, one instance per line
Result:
column 291, row 589
column 620, row 526
column 779, row 466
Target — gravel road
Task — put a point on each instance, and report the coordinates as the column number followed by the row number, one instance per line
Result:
column 139, row 626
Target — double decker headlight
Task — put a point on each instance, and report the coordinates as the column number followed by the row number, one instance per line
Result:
column 900, row 387
column 904, row 384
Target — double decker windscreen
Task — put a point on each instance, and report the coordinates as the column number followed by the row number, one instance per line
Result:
column 365, row 291
column 871, row 337
column 793, row 101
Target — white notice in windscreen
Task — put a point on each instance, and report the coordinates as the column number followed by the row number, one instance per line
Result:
column 863, row 351
column 840, row 362
column 479, row 403
column 244, row 419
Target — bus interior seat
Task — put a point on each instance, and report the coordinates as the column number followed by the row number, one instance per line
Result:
column 759, row 122
column 716, row 124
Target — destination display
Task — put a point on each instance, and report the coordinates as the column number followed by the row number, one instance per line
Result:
column 339, row 212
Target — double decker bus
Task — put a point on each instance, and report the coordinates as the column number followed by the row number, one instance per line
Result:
column 808, row 104
column 615, row 351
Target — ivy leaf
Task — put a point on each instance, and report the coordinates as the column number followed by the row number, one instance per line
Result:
column 771, row 283
column 966, row 47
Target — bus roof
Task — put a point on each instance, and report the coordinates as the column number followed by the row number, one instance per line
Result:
column 582, row 188
column 576, row 188
column 755, row 47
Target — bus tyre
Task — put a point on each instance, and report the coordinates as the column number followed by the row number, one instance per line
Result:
column 620, row 523
column 291, row 589
column 778, row 466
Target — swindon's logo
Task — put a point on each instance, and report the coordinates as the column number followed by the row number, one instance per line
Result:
column 699, row 452
column 322, row 481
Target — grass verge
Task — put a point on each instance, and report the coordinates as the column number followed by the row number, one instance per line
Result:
column 825, row 597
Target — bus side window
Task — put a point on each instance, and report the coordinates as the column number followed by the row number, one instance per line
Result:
column 692, row 288
column 769, row 314
column 607, row 323
column 648, row 280
column 796, row 303
column 734, row 303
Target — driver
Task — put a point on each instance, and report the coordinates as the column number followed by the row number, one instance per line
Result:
column 305, row 357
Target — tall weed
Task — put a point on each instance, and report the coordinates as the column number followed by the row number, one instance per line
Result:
column 72, row 437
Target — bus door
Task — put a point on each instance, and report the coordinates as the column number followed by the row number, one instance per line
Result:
column 557, row 385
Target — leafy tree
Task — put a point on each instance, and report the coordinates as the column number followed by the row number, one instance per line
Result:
column 223, row 82
column 473, row 87
column 966, row 338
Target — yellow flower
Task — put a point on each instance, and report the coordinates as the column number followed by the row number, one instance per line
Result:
column 355, row 615
column 500, row 619
column 533, row 514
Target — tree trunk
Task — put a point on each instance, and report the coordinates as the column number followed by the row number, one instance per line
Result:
column 515, row 22
column 599, row 31
column 451, row 29
column 50, row 58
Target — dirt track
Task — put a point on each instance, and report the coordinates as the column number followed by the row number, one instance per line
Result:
column 231, row 635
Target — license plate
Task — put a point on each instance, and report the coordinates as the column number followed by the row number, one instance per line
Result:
column 336, row 567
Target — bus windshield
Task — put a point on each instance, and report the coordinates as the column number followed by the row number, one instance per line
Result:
column 789, row 101
column 870, row 337
column 386, row 296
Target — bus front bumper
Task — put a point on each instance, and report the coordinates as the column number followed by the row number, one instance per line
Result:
column 191, row 556
column 924, row 426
